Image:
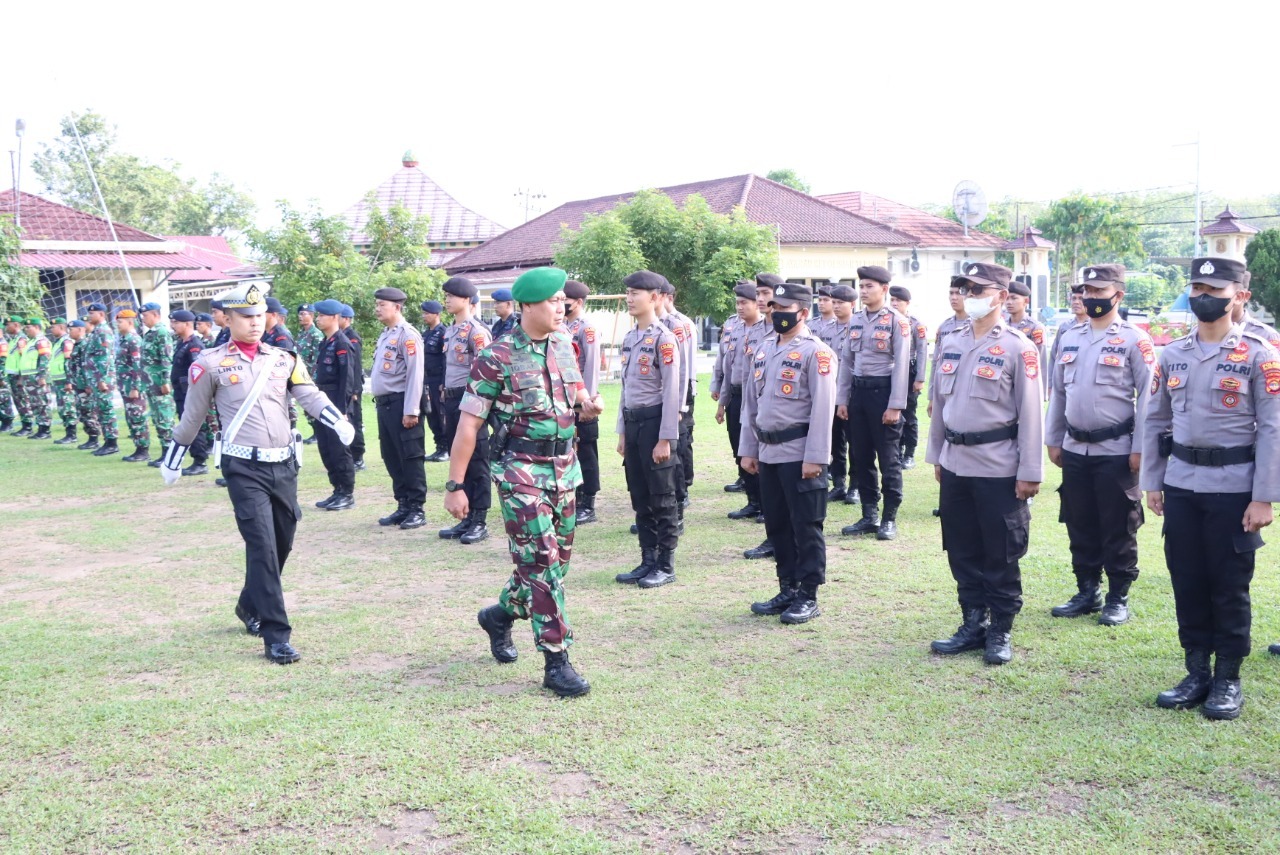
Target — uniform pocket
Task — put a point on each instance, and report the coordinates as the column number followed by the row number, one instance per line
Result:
column 662, row 476
column 1137, row 514
column 413, row 442
column 946, row 383
column 811, row 495
column 1247, row 541
column 986, row 388
column 1018, row 527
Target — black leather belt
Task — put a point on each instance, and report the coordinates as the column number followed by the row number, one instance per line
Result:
column 455, row 392
column 540, row 447
column 380, row 400
column 872, row 382
column 640, row 414
column 981, row 437
column 1101, row 434
column 326, row 387
column 777, row 437
column 735, row 390
column 1213, row 456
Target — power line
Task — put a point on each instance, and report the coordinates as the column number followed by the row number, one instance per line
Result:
column 1193, row 222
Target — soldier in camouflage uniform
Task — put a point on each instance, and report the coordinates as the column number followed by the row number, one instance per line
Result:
column 308, row 341
column 13, row 376
column 58, row 371
column 100, row 375
column 133, row 384
column 6, row 397
column 78, row 385
column 529, row 384
column 34, row 368
column 157, row 362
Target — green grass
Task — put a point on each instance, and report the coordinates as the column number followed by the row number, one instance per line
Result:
column 134, row 715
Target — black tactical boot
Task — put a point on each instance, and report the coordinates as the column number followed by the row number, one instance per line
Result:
column 140, row 455
column 495, row 621
column 90, row 444
column 42, row 432
column 25, row 430
column 648, row 561
column 341, row 502
column 454, row 532
column 109, row 447
column 908, row 458
column 415, row 518
column 764, row 550
column 560, row 677
column 1116, row 610
column 7, row 424
column 838, row 492
column 324, row 503
column 971, row 635
column 679, row 521
column 852, row 497
column 69, row 438
column 634, row 529
column 663, row 572
column 220, row 482
column 251, row 623
column 776, row 606
column 394, row 518
column 1274, row 649
column 479, row 529
column 282, row 653
column 869, row 524
column 888, row 529
column 358, row 464
column 999, row 649
column 735, row 487
column 155, row 464
column 1194, row 688
column 586, row 509
column 750, row 511
column 1226, row 697
column 803, row 608
column 1086, row 601
column 196, row 468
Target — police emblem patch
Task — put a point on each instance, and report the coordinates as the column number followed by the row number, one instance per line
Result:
column 787, row 388
column 996, row 350
column 1113, row 361
column 1031, row 364
column 668, row 353
column 1174, row 381
column 1117, row 340
column 1231, row 384
column 986, row 371
column 1230, row 400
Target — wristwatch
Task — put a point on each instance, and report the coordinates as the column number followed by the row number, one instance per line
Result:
column 453, row 486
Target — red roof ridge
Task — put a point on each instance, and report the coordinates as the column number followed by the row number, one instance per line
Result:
column 58, row 222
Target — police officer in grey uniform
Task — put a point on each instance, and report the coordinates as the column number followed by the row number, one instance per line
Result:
column 726, row 386
column 463, row 341
column 731, row 334
column 396, row 383
column 822, row 324
column 1097, row 408
column 766, row 285
column 900, row 299
column 985, row 446
column 685, row 332
column 873, row 389
column 788, row 409
column 958, row 319
column 1211, row 468
column 1079, row 319
column 835, row 334
column 1018, row 307
column 586, row 346
column 649, row 429
column 257, row 447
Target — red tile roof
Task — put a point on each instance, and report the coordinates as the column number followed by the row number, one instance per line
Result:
column 800, row 218
column 215, row 255
column 411, row 187
column 108, row 260
column 929, row 231
column 1029, row 239
column 43, row 219
column 1227, row 224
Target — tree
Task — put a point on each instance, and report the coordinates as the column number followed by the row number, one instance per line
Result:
column 789, row 178
column 1263, row 257
column 701, row 252
column 20, row 289
column 1090, row 231
column 144, row 195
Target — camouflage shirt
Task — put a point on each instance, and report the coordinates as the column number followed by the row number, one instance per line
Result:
column 157, row 354
column 100, row 357
column 529, row 387
column 76, row 370
column 309, row 341
column 129, row 365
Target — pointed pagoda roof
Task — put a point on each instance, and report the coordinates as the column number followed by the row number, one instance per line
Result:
column 451, row 221
column 1227, row 224
column 1030, row 239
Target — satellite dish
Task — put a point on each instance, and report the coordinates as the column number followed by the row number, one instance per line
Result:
column 969, row 203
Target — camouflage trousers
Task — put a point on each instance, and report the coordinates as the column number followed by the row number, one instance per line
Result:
column 37, row 401
column 105, row 408
column 135, row 416
column 66, row 403
column 6, row 399
column 87, row 412
column 20, row 403
column 540, row 536
column 163, row 413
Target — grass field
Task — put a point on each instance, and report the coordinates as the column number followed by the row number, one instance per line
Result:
column 136, row 714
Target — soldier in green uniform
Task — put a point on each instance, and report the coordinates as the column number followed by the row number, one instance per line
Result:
column 133, row 383
column 13, row 376
column 62, row 392
column 157, row 362
column 78, row 385
column 6, row 397
column 100, row 374
column 204, row 328
column 529, row 384
column 34, row 368
column 308, row 341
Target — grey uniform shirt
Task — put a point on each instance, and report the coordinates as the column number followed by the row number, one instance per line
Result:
column 1034, row 330
column 651, row 376
column 1226, row 397
column 222, row 377
column 686, row 339
column 945, row 329
column 1100, row 378
column 827, row 329
column 1066, row 326
column 462, row 343
column 398, row 366
column 752, row 340
column 919, row 346
column 791, row 383
column 586, row 344
column 984, row 384
column 730, row 333
column 879, row 345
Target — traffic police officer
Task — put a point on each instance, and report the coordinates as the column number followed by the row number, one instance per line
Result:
column 333, row 377
column 189, row 348
column 985, row 446
column 433, row 366
column 396, row 383
column 1211, row 468
column 900, row 299
column 788, row 408
column 251, row 383
column 505, row 308
column 586, row 347
column 463, row 341
column 1097, row 409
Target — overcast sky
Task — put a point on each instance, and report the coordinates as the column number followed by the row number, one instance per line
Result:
column 320, row 100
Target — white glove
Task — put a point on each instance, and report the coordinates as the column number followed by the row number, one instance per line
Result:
column 171, row 463
column 346, row 433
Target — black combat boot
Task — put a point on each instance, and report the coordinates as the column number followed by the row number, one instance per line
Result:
column 634, row 529
column 999, row 647
column 69, row 438
column 24, row 431
column 358, row 464
column 1086, row 601
column 394, row 518
column 749, row 512
column 454, row 532
column 764, row 550
column 869, row 524
column 251, row 623
column 109, row 447
column 415, row 518
column 586, row 509
column 888, row 529
column 282, row 653
column 1226, row 697
column 478, row 530
column 1274, row 649
column 648, row 561
column 663, row 572
column 341, row 502
column 735, row 487
column 560, row 677
column 156, row 464
column 1116, row 610
column 140, row 455
column 42, row 432
column 908, row 458
column 90, row 443
column 311, row 440
column 972, row 634
column 1194, row 688
column 803, row 608
column 7, row 424
column 838, row 491
column 324, row 503
column 787, row 593
column 852, row 497
column 679, row 520
column 196, row 468
column 495, row 621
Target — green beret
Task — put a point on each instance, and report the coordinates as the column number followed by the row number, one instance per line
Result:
column 36, row 322
column 57, row 321
column 538, row 284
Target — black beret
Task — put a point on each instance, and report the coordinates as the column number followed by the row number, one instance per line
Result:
column 844, row 293
column 900, row 291
column 575, row 290
column 1099, row 274
column 768, row 280
column 875, row 272
column 394, row 295
column 645, row 280
column 182, row 315
column 1017, row 286
column 824, row 290
column 744, row 290
column 1217, row 271
column 668, row 288
column 432, row 307
column 460, row 286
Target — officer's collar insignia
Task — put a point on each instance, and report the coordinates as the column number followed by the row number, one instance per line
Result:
column 1207, row 267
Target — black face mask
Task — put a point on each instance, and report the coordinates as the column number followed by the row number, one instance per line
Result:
column 785, row 322
column 1097, row 307
column 1208, row 308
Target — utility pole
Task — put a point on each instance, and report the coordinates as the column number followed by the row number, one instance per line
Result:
column 1199, row 212
column 529, row 196
column 19, row 128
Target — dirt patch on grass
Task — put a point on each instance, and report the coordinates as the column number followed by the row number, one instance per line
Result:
column 415, row 831
column 932, row 832
column 377, row 663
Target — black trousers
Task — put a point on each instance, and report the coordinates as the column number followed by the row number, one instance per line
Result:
column 589, row 456
column 871, row 440
column 686, row 445
column 1102, row 510
column 1210, row 560
column 476, row 484
column 985, row 530
column 911, row 419
column 733, row 418
column 403, row 451
column 794, row 510
column 265, row 499
column 842, row 472
column 336, row 457
column 200, row 448
column 435, row 418
column 355, row 414
column 652, row 485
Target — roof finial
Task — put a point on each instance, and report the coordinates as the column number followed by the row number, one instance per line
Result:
column 409, row 160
